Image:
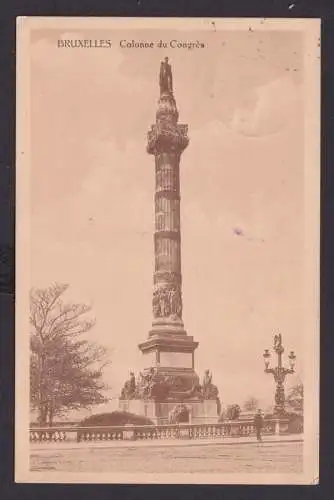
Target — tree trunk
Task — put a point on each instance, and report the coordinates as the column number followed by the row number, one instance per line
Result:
column 42, row 414
column 43, row 410
column 51, row 412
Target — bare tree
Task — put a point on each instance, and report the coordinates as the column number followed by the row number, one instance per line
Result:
column 251, row 404
column 295, row 399
column 65, row 370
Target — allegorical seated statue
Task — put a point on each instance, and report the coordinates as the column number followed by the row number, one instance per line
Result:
column 209, row 390
column 165, row 77
column 178, row 414
column 129, row 389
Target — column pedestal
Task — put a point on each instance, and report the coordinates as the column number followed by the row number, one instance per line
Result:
column 200, row 412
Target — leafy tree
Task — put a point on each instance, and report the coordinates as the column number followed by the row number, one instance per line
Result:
column 65, row 370
column 295, row 399
column 251, row 404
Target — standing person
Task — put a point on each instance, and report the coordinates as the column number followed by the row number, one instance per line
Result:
column 258, row 423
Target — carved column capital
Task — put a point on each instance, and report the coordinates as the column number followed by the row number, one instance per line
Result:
column 166, row 136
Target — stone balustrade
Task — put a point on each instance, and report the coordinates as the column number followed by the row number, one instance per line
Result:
column 233, row 428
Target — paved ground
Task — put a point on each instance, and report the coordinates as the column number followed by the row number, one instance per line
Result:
column 205, row 457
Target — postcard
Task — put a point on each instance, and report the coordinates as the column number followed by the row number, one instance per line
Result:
column 167, row 261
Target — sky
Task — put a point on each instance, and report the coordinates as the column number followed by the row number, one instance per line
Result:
column 242, row 194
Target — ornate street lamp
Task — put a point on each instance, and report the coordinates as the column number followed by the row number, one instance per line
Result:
column 279, row 372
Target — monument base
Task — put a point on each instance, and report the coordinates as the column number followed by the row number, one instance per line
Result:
column 199, row 412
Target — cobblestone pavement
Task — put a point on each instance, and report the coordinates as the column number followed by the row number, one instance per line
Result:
column 280, row 457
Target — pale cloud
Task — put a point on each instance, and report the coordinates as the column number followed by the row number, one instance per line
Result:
column 269, row 110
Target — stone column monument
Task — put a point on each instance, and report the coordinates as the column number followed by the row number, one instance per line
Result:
column 168, row 346
column 168, row 352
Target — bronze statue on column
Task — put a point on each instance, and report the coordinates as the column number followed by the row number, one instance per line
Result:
column 165, row 77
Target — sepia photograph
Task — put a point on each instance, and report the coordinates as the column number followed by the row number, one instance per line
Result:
column 167, row 265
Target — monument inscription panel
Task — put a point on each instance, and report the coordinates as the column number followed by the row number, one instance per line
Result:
column 176, row 359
